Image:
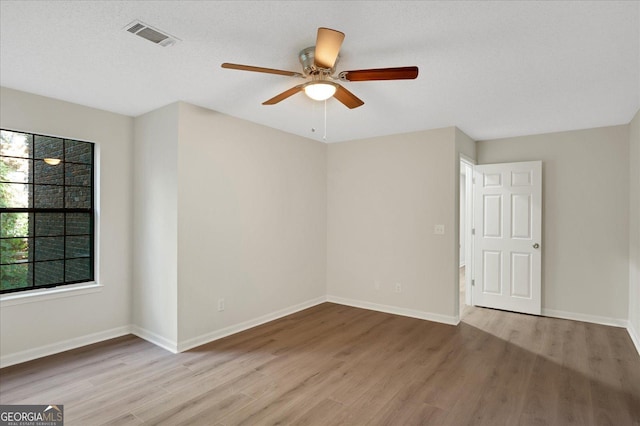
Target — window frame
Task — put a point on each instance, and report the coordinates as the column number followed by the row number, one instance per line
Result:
column 66, row 285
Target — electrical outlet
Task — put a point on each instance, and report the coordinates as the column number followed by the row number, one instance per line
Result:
column 220, row 305
column 376, row 284
column 398, row 288
column 438, row 229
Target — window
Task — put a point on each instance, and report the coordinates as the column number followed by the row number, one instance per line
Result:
column 46, row 211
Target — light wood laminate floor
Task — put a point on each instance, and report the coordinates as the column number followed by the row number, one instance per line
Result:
column 337, row 365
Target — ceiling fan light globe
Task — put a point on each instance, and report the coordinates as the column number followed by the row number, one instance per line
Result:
column 320, row 91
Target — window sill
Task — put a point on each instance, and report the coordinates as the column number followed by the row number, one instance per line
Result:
column 49, row 294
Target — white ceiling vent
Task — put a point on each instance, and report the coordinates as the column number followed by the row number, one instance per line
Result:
column 152, row 34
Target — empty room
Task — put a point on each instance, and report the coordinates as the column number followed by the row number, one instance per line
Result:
column 320, row 213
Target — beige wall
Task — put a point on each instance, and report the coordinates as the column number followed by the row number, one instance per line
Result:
column 41, row 327
column 252, row 222
column 465, row 146
column 384, row 197
column 634, row 229
column 225, row 209
column 585, row 217
column 155, row 216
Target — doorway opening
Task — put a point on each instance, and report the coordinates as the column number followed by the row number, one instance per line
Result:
column 466, row 241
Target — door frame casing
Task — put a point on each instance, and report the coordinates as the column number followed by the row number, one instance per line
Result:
column 468, row 255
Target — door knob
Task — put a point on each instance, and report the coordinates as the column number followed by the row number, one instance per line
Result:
column 536, row 245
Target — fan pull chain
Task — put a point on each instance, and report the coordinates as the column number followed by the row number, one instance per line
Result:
column 313, row 118
column 324, row 138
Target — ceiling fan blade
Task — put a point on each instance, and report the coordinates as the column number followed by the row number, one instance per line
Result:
column 328, row 44
column 284, row 95
column 260, row 69
column 402, row 73
column 347, row 98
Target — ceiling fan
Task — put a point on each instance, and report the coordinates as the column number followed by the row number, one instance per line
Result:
column 318, row 67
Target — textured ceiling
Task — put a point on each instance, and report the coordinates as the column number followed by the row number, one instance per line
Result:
column 494, row 69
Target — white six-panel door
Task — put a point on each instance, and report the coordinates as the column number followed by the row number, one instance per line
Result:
column 507, row 240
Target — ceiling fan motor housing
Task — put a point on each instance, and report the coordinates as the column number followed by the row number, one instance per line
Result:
column 307, row 59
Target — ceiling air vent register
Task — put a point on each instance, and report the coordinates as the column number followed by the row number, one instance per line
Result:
column 154, row 35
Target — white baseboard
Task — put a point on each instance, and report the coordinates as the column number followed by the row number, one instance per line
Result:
column 154, row 338
column 635, row 336
column 65, row 345
column 615, row 322
column 445, row 319
column 236, row 328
